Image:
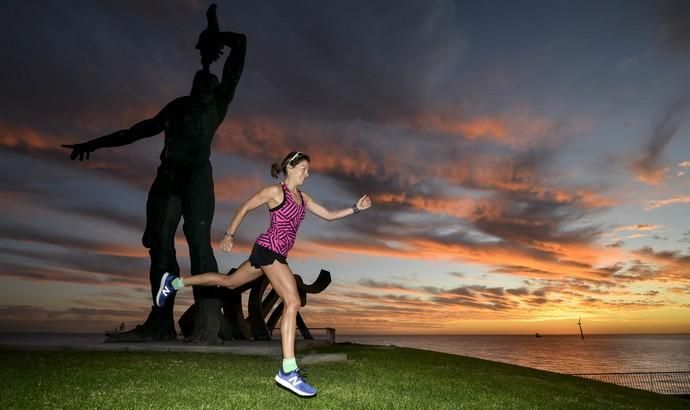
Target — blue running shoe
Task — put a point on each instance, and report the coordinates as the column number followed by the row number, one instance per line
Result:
column 166, row 289
column 294, row 381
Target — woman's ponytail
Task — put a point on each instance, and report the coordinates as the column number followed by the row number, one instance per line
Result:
column 275, row 170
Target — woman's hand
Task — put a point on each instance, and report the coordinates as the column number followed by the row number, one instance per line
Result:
column 364, row 203
column 226, row 243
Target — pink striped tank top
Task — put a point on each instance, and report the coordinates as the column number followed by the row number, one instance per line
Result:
column 285, row 221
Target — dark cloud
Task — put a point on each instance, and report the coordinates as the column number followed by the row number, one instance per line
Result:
column 674, row 25
column 372, row 284
column 625, row 304
column 529, row 223
column 518, row 292
column 76, row 266
column 462, row 291
column 87, row 63
column 473, row 297
column 343, row 60
column 71, row 191
column 67, row 64
column 648, row 165
column 464, row 302
column 673, row 34
column 576, row 289
column 539, row 292
column 522, row 270
column 673, row 257
column 685, row 238
column 44, row 237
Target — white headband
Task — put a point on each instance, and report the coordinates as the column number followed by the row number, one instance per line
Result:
column 293, row 157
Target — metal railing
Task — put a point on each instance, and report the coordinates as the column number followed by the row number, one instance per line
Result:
column 676, row 383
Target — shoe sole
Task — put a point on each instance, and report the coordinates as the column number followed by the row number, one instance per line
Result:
column 287, row 386
column 160, row 288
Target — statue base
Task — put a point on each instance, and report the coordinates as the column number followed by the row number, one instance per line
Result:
column 154, row 329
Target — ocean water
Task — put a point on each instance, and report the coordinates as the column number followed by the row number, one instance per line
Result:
column 558, row 353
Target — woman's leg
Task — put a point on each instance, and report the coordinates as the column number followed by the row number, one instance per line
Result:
column 171, row 284
column 283, row 282
column 244, row 274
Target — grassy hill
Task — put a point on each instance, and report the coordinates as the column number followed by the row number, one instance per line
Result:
column 371, row 378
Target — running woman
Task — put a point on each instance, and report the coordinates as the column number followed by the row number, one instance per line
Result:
column 287, row 205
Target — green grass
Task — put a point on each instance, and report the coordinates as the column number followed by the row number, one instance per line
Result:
column 372, row 378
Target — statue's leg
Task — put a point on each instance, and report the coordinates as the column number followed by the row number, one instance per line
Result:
column 163, row 213
column 198, row 203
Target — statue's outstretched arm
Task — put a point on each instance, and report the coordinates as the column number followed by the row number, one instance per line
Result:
column 143, row 129
column 232, row 70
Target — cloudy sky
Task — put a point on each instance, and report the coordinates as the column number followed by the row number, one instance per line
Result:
column 529, row 161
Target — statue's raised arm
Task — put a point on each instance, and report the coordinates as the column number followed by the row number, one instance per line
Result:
column 234, row 65
column 143, row 129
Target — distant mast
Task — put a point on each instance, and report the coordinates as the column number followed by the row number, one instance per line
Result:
column 579, row 323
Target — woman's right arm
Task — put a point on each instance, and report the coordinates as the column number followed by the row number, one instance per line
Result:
column 268, row 195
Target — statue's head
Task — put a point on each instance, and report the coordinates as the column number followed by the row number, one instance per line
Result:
column 204, row 83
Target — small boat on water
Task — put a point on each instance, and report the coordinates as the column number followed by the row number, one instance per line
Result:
column 537, row 335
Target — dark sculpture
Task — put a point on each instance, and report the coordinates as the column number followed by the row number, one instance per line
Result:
column 183, row 187
column 255, row 326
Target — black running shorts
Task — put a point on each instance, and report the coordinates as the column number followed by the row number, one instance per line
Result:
column 261, row 256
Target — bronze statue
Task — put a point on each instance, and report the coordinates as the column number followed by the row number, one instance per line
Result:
column 183, row 187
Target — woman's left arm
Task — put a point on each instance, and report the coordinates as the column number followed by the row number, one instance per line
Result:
column 318, row 210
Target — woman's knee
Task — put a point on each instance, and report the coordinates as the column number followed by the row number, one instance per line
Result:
column 292, row 302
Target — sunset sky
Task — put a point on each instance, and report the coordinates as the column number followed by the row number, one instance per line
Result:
column 529, row 161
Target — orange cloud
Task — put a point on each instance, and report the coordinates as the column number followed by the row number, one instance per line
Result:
column 26, row 137
column 477, row 210
column 455, row 207
column 270, row 140
column 254, row 138
column 678, row 199
column 250, row 137
column 516, row 128
column 236, row 189
column 483, row 127
column 502, row 174
column 554, row 260
column 647, row 173
column 667, row 265
column 639, row 227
